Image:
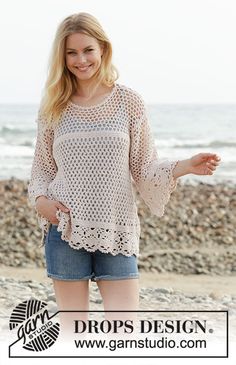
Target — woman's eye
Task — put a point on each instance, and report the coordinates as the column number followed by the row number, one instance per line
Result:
column 74, row 52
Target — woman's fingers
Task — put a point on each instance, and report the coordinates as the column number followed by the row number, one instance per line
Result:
column 211, row 166
column 213, row 162
column 209, row 156
column 62, row 207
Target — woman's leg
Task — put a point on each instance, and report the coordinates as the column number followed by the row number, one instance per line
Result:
column 64, row 262
column 71, row 295
column 117, row 278
column 120, row 295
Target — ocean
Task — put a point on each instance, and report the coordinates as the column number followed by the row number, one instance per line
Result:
column 180, row 131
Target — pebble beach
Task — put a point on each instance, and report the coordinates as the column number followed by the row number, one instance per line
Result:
column 196, row 235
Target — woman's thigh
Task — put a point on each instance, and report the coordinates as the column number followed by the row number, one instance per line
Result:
column 119, row 294
column 72, row 295
column 72, row 299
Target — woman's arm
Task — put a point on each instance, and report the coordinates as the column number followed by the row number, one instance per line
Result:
column 200, row 164
column 44, row 168
column 156, row 180
column 153, row 178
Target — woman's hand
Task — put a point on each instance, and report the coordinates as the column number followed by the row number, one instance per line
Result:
column 48, row 208
column 203, row 163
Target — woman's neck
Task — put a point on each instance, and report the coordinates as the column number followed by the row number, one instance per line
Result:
column 83, row 92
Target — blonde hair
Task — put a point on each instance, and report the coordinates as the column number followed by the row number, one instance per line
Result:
column 61, row 83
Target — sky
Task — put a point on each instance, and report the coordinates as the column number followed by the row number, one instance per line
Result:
column 170, row 51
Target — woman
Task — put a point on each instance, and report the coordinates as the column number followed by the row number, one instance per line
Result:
column 94, row 137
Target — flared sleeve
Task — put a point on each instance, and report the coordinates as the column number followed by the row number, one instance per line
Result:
column 43, row 169
column 153, row 178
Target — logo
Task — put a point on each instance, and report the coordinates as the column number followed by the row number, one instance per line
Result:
column 34, row 325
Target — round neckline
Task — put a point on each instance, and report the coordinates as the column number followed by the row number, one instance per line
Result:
column 104, row 101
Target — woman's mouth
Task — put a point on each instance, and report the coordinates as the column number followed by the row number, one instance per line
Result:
column 83, row 69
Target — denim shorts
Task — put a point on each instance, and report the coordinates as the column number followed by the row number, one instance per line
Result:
column 66, row 263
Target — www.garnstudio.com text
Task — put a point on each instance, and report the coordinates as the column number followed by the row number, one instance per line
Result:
column 161, row 343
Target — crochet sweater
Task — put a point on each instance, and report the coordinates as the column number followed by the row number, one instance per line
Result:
column 88, row 162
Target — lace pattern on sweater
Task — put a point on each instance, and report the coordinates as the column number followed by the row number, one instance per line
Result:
column 88, row 163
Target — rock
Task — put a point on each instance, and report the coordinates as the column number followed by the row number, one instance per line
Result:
column 163, row 299
column 164, row 290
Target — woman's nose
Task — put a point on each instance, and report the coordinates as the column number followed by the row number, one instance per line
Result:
column 81, row 58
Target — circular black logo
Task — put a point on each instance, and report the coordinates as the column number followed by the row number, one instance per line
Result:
column 34, row 325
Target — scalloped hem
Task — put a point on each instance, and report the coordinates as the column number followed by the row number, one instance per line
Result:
column 88, row 238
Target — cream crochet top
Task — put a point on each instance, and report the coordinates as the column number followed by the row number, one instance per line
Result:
column 88, row 162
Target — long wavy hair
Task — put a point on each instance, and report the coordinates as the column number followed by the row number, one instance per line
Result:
column 61, row 83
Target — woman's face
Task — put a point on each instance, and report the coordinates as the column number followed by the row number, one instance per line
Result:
column 83, row 55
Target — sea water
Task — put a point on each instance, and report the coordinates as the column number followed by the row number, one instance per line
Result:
column 180, row 131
